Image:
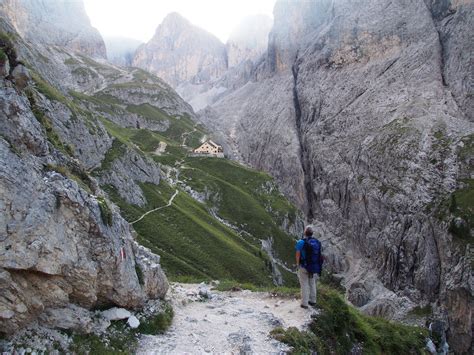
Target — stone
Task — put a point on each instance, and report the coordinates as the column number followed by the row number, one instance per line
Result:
column 133, row 322
column 21, row 76
column 116, row 313
column 4, row 67
column 71, row 317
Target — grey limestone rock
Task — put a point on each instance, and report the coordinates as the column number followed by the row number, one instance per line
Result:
column 359, row 110
column 127, row 171
column 180, row 51
column 55, row 22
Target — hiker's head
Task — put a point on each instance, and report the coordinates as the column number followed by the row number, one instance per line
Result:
column 308, row 231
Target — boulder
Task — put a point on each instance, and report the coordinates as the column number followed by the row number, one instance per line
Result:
column 133, row 322
column 70, row 317
column 21, row 76
column 116, row 314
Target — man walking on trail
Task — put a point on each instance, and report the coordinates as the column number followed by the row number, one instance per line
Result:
column 309, row 262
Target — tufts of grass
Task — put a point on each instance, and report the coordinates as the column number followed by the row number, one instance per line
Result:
column 60, row 169
column 462, row 210
column 105, row 211
column 177, row 125
column 339, row 327
column 145, row 140
column 421, row 311
column 157, row 324
column 47, row 90
column 3, row 56
column 139, row 273
column 119, row 340
column 44, row 120
column 117, row 150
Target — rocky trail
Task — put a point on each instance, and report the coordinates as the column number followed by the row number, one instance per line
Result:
column 231, row 322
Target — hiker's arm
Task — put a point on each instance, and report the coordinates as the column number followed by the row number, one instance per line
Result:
column 298, row 254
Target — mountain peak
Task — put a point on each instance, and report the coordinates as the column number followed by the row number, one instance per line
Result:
column 180, row 51
column 175, row 19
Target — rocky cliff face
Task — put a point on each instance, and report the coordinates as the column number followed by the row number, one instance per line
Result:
column 65, row 248
column 55, row 22
column 249, row 40
column 362, row 111
column 182, row 52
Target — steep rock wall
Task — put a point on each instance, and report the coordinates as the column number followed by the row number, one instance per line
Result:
column 55, row 22
column 181, row 52
column 380, row 105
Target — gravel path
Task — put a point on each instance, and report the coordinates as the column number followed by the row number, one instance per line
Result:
column 225, row 322
column 157, row 209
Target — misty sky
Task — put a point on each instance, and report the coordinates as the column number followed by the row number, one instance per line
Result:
column 138, row 19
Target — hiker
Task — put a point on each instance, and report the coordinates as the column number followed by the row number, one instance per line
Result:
column 309, row 262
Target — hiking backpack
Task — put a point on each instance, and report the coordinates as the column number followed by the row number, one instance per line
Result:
column 313, row 261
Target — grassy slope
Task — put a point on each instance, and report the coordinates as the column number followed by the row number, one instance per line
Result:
column 192, row 243
column 246, row 198
column 339, row 327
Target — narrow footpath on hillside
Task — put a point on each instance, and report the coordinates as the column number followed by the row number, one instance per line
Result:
column 157, row 209
column 231, row 322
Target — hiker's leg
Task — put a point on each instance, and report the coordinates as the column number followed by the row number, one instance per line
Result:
column 304, row 283
column 312, row 288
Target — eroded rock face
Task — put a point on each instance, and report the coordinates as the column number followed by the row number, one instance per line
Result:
column 55, row 22
column 64, row 249
column 367, row 104
column 129, row 170
column 181, row 52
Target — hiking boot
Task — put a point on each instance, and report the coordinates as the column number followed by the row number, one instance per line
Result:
column 312, row 303
column 305, row 307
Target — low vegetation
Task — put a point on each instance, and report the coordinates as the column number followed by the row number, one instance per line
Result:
column 248, row 199
column 119, row 337
column 105, row 211
column 190, row 241
column 45, row 121
column 340, row 328
column 159, row 323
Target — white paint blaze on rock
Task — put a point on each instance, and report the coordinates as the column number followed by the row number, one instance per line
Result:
column 116, row 314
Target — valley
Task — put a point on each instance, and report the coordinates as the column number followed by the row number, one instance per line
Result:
column 354, row 117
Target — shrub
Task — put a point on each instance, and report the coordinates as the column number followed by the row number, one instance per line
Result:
column 105, row 211
column 159, row 323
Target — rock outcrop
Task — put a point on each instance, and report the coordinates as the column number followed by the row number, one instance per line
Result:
column 55, row 22
column 64, row 247
column 362, row 112
column 181, row 52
